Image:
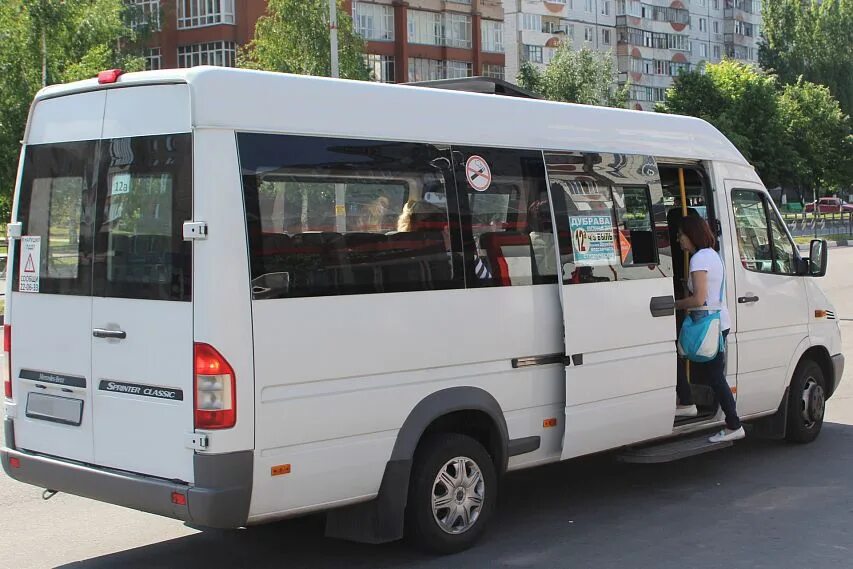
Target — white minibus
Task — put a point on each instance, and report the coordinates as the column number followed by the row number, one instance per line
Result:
column 238, row 296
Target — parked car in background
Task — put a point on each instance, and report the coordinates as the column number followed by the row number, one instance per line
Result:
column 830, row 205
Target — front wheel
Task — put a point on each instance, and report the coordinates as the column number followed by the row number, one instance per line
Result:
column 806, row 403
column 452, row 493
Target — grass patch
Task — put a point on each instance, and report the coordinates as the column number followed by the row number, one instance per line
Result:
column 806, row 239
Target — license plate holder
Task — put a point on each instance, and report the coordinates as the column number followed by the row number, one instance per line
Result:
column 56, row 409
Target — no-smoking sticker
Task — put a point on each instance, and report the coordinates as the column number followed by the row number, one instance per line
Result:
column 478, row 173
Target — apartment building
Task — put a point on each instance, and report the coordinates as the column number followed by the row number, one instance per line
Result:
column 413, row 40
column 422, row 40
column 652, row 40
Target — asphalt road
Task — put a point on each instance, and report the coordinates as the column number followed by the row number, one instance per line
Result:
column 760, row 504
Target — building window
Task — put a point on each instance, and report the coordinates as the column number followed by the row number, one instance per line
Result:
column 532, row 53
column 605, row 37
column 457, row 69
column 716, row 27
column 381, row 67
column 424, row 27
column 703, row 24
column 145, row 13
column 493, row 71
column 493, row 36
column 210, row 53
column 153, row 59
column 628, row 8
column 374, row 21
column 531, row 22
column 605, row 7
column 703, row 50
column 457, row 30
column 588, row 34
column 198, row 13
column 589, row 6
column 717, row 52
column 716, row 4
column 435, row 28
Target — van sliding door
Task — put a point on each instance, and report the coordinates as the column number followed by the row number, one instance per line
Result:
column 618, row 304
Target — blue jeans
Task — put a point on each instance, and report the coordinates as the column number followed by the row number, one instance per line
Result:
column 712, row 374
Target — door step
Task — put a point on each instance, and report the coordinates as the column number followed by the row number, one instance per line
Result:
column 670, row 451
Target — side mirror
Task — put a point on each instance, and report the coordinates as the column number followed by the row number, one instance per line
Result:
column 818, row 257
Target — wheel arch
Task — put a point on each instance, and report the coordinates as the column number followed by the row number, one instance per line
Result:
column 382, row 519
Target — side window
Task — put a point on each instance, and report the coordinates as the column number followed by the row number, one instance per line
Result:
column 764, row 247
column 331, row 216
column 144, row 199
column 784, row 252
column 609, row 211
column 637, row 245
column 57, row 186
column 506, row 217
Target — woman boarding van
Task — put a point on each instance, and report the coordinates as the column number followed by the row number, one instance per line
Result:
column 234, row 297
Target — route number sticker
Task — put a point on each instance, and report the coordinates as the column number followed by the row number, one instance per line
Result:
column 28, row 273
column 478, row 173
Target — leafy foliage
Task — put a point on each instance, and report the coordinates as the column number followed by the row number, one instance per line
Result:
column 795, row 136
column 54, row 41
column 585, row 76
column 293, row 37
column 811, row 39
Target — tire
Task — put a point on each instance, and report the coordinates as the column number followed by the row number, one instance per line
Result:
column 806, row 403
column 445, row 529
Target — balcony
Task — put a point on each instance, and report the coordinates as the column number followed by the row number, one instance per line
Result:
column 739, row 40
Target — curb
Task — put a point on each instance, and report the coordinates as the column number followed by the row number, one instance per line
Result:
column 841, row 243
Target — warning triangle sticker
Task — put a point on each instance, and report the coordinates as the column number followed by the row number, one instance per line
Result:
column 30, row 267
column 624, row 246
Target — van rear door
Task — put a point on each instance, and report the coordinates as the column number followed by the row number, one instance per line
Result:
column 131, row 336
column 52, row 280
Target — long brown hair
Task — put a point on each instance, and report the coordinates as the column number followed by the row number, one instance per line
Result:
column 697, row 230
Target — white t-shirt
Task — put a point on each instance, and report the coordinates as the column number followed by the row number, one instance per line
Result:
column 709, row 261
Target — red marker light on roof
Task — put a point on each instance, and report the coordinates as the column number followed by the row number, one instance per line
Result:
column 109, row 76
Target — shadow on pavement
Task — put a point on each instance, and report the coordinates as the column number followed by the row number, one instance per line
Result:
column 759, row 504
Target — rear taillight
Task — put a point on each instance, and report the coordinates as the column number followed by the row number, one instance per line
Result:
column 215, row 390
column 7, row 353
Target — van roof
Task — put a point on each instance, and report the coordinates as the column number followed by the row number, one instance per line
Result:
column 261, row 101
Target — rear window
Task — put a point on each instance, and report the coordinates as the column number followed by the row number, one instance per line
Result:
column 109, row 215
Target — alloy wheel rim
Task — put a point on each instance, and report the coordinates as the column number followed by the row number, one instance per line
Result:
column 814, row 401
column 458, row 494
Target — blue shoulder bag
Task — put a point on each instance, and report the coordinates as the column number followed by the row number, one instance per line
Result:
column 701, row 335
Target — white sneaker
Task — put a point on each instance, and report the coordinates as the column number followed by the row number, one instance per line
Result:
column 728, row 435
column 686, row 411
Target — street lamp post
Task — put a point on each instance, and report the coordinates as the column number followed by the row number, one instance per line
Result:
column 333, row 32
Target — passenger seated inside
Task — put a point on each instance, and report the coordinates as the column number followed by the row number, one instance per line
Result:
column 421, row 215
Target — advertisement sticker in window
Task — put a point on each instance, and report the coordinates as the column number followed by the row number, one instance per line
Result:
column 592, row 240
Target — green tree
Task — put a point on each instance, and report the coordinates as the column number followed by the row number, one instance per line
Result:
column 811, row 39
column 743, row 103
column 54, row 41
column 821, row 132
column 293, row 37
column 584, row 76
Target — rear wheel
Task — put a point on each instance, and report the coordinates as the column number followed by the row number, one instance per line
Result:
column 451, row 494
column 806, row 403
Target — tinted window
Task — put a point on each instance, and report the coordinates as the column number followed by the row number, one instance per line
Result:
column 144, row 200
column 56, row 191
column 610, row 217
column 506, row 217
column 331, row 216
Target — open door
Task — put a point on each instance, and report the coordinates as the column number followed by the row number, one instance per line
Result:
column 617, row 299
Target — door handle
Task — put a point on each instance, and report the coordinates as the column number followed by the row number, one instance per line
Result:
column 102, row 333
column 662, row 306
column 747, row 299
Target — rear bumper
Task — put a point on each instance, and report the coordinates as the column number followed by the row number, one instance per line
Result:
column 219, row 499
column 838, row 369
